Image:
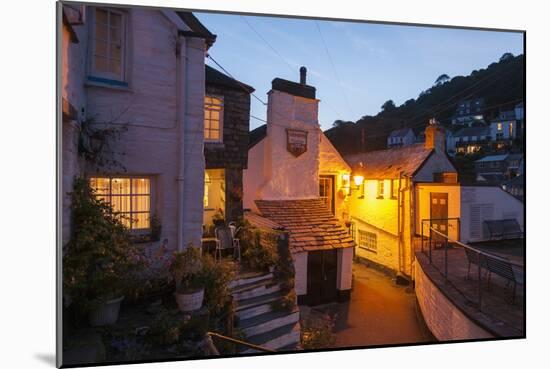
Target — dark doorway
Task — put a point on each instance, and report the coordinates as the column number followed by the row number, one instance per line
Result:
column 322, row 269
column 326, row 191
column 439, row 212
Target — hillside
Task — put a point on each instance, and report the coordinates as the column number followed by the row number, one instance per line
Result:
column 500, row 84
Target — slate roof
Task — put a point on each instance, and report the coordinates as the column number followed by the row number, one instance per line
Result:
column 197, row 27
column 387, row 164
column 400, row 132
column 215, row 77
column 472, row 131
column 310, row 223
column 293, row 88
column 493, row 158
column 256, row 135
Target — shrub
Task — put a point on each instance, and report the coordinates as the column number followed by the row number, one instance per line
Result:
column 259, row 248
column 99, row 261
column 316, row 333
column 215, row 278
column 186, row 270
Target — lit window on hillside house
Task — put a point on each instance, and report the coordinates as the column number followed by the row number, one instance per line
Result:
column 380, row 190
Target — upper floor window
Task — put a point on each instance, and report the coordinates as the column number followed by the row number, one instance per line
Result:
column 394, row 188
column 129, row 197
column 380, row 189
column 511, row 129
column 109, row 44
column 499, row 126
column 213, row 119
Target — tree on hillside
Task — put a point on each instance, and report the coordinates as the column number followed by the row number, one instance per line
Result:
column 442, row 79
column 340, row 123
column 506, row 56
column 388, row 106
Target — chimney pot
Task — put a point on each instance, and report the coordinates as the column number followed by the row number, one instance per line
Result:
column 303, row 72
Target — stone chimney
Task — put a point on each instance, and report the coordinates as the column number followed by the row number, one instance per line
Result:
column 435, row 136
column 303, row 72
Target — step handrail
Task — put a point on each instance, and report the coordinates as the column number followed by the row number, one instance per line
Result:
column 234, row 340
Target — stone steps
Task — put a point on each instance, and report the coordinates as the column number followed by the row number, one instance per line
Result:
column 255, row 306
column 254, row 294
column 256, row 289
column 276, row 339
column 248, row 278
column 268, row 322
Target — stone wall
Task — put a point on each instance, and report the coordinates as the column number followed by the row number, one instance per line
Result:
column 232, row 153
column 443, row 318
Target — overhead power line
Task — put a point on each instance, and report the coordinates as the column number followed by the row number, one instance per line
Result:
column 333, row 67
column 268, row 44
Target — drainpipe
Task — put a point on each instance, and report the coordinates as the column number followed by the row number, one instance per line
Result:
column 181, row 80
column 399, row 233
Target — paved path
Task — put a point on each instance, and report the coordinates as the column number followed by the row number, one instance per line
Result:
column 378, row 313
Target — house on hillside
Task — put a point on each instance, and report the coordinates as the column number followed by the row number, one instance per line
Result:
column 469, row 112
column 295, row 178
column 226, row 128
column 498, row 169
column 147, row 81
column 504, row 129
column 401, row 137
column 400, row 188
column 469, row 140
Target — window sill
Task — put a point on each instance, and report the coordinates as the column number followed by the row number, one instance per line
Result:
column 92, row 81
column 379, row 197
column 369, row 250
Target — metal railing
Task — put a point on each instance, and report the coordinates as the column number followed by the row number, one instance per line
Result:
column 448, row 240
column 239, row 342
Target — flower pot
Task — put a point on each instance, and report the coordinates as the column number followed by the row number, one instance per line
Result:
column 106, row 313
column 190, row 301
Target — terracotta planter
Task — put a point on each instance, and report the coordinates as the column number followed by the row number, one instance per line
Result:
column 105, row 314
column 190, row 301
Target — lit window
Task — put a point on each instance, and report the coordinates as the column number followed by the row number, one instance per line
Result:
column 109, row 44
column 130, row 197
column 394, row 188
column 207, row 183
column 511, row 130
column 499, row 126
column 367, row 240
column 380, row 190
column 213, row 119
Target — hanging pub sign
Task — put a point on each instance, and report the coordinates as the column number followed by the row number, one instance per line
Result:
column 296, row 141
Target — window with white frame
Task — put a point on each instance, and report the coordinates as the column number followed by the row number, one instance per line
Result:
column 367, row 240
column 129, row 197
column 213, row 119
column 394, row 188
column 380, row 189
column 108, row 44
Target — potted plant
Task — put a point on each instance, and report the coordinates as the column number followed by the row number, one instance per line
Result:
column 186, row 269
column 218, row 218
column 100, row 264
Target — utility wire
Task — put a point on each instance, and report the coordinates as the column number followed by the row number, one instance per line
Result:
column 292, row 70
column 333, row 67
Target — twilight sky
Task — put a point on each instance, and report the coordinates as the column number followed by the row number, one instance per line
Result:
column 372, row 62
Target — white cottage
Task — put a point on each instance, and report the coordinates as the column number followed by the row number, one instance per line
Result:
column 400, row 187
column 297, row 179
column 143, row 69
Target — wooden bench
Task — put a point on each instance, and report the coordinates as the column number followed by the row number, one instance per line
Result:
column 476, row 259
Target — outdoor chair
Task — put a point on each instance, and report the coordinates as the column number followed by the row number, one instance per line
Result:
column 224, row 241
column 506, row 271
column 236, row 242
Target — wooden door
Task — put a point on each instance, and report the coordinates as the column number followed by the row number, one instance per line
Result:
column 326, row 191
column 322, row 269
column 439, row 211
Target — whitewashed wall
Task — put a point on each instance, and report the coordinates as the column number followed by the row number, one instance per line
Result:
column 491, row 203
column 149, row 109
column 288, row 177
column 423, row 206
